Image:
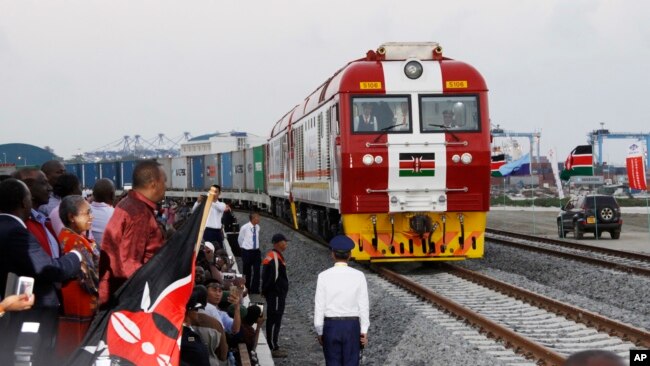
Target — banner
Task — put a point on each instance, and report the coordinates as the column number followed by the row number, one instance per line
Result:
column 556, row 172
column 579, row 162
column 517, row 167
column 636, row 168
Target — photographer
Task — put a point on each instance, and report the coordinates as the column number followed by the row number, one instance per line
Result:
column 215, row 293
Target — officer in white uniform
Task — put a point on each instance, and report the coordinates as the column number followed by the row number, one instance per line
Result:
column 341, row 312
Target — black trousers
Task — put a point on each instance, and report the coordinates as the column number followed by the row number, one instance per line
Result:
column 214, row 236
column 274, row 312
column 252, row 262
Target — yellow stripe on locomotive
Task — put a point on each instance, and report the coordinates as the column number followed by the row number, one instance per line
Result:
column 418, row 237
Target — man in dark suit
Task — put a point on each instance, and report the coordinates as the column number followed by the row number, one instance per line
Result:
column 22, row 255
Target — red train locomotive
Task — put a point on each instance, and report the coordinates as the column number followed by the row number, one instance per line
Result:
column 393, row 150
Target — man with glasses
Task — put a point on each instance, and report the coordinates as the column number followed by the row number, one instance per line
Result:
column 249, row 242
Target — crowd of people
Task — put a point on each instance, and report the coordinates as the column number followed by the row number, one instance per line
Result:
column 80, row 246
column 80, row 249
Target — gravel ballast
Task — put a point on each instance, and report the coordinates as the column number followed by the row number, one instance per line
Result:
column 403, row 330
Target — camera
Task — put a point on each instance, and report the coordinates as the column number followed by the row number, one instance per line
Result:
column 229, row 276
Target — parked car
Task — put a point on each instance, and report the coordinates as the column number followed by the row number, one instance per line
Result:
column 592, row 213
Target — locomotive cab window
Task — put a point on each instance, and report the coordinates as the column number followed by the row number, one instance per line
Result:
column 441, row 113
column 386, row 114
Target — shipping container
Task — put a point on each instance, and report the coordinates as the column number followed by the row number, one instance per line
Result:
column 211, row 170
column 74, row 169
column 258, row 168
column 166, row 164
column 90, row 174
column 196, row 165
column 180, row 173
column 109, row 170
column 226, row 170
column 126, row 174
column 248, row 168
column 238, row 170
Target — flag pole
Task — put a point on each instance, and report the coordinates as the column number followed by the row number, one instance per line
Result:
column 647, row 210
column 532, row 196
column 204, row 217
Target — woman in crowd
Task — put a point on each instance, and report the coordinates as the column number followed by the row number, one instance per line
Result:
column 79, row 296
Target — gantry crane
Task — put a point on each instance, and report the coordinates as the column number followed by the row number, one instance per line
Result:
column 597, row 137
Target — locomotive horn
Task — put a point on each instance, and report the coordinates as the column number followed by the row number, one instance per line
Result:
column 437, row 53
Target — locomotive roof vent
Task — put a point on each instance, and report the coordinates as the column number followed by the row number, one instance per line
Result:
column 406, row 50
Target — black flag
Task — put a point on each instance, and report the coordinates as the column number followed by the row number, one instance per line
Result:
column 143, row 326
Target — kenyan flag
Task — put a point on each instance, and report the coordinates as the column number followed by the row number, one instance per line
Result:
column 579, row 162
column 497, row 161
column 417, row 164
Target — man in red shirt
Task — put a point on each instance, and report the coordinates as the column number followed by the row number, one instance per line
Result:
column 132, row 235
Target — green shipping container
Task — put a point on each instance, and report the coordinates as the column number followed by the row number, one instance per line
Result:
column 258, row 168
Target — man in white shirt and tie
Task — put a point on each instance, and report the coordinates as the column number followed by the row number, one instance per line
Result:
column 342, row 310
column 249, row 242
column 213, row 232
column 366, row 121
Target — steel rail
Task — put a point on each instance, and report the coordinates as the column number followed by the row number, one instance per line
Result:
column 624, row 331
column 601, row 262
column 518, row 342
column 570, row 244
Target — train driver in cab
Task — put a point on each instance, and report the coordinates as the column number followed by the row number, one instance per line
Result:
column 448, row 119
column 366, row 121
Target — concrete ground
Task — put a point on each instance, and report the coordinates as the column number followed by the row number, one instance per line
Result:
column 635, row 235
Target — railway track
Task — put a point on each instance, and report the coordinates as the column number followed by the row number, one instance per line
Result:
column 537, row 327
column 615, row 259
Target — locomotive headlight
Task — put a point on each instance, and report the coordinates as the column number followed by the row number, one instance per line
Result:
column 379, row 159
column 455, row 158
column 466, row 158
column 413, row 69
column 442, row 199
column 393, row 200
column 367, row 159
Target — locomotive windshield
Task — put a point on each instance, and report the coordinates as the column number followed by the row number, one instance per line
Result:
column 389, row 114
column 441, row 113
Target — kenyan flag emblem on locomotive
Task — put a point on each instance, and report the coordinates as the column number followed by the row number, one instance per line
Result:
column 417, row 164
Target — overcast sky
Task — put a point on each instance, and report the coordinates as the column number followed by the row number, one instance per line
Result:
column 78, row 75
